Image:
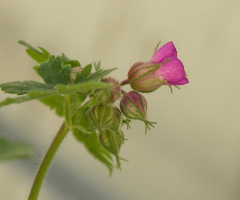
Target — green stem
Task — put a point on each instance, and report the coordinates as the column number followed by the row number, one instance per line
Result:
column 47, row 161
column 68, row 119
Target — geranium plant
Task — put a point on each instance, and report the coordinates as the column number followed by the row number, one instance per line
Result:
column 86, row 98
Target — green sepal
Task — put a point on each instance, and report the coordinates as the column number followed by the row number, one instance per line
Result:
column 148, row 124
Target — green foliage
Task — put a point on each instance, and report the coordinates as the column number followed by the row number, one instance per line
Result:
column 97, row 65
column 52, row 71
column 83, row 76
column 13, row 149
column 62, row 94
column 9, row 100
column 34, row 53
column 24, row 87
column 99, row 74
column 84, row 88
column 86, row 75
column 55, row 102
column 93, row 146
column 66, row 61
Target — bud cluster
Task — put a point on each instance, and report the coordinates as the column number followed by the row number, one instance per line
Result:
column 164, row 68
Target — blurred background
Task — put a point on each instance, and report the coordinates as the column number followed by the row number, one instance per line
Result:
column 194, row 151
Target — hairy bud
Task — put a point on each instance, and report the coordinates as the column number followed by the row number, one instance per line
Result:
column 103, row 116
column 134, row 106
column 109, row 95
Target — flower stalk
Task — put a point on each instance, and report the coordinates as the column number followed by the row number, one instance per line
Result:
column 37, row 184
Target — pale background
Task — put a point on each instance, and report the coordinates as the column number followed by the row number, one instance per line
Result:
column 194, row 151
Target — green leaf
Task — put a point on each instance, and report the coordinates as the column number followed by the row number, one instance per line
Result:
column 24, row 87
column 34, row 53
column 91, row 143
column 75, row 102
column 73, row 63
column 85, row 134
column 55, row 102
column 100, row 74
column 13, row 149
column 31, row 95
column 83, row 76
column 52, row 71
column 85, row 87
column 9, row 101
column 97, row 65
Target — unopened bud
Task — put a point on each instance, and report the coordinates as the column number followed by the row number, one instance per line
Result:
column 109, row 95
column 134, row 106
column 104, row 116
column 141, row 77
column 111, row 140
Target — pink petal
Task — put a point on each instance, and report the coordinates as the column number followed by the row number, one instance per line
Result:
column 172, row 71
column 182, row 82
column 167, row 50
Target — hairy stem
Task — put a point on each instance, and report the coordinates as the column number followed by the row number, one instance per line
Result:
column 68, row 119
column 37, row 184
column 125, row 82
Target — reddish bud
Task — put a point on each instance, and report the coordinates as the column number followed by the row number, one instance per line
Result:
column 109, row 95
column 134, row 106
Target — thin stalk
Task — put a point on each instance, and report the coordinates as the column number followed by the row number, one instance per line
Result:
column 125, row 82
column 68, row 119
column 37, row 184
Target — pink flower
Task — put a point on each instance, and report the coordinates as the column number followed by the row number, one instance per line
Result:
column 164, row 68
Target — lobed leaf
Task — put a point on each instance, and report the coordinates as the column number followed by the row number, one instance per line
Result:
column 52, row 71
column 100, row 74
column 66, row 61
column 34, row 53
column 83, row 76
column 31, row 95
column 19, row 88
column 9, row 101
column 55, row 102
column 85, row 87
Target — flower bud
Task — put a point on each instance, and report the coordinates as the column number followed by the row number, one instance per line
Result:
column 164, row 68
column 111, row 140
column 109, row 95
column 103, row 116
column 117, row 120
column 140, row 77
column 134, row 106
